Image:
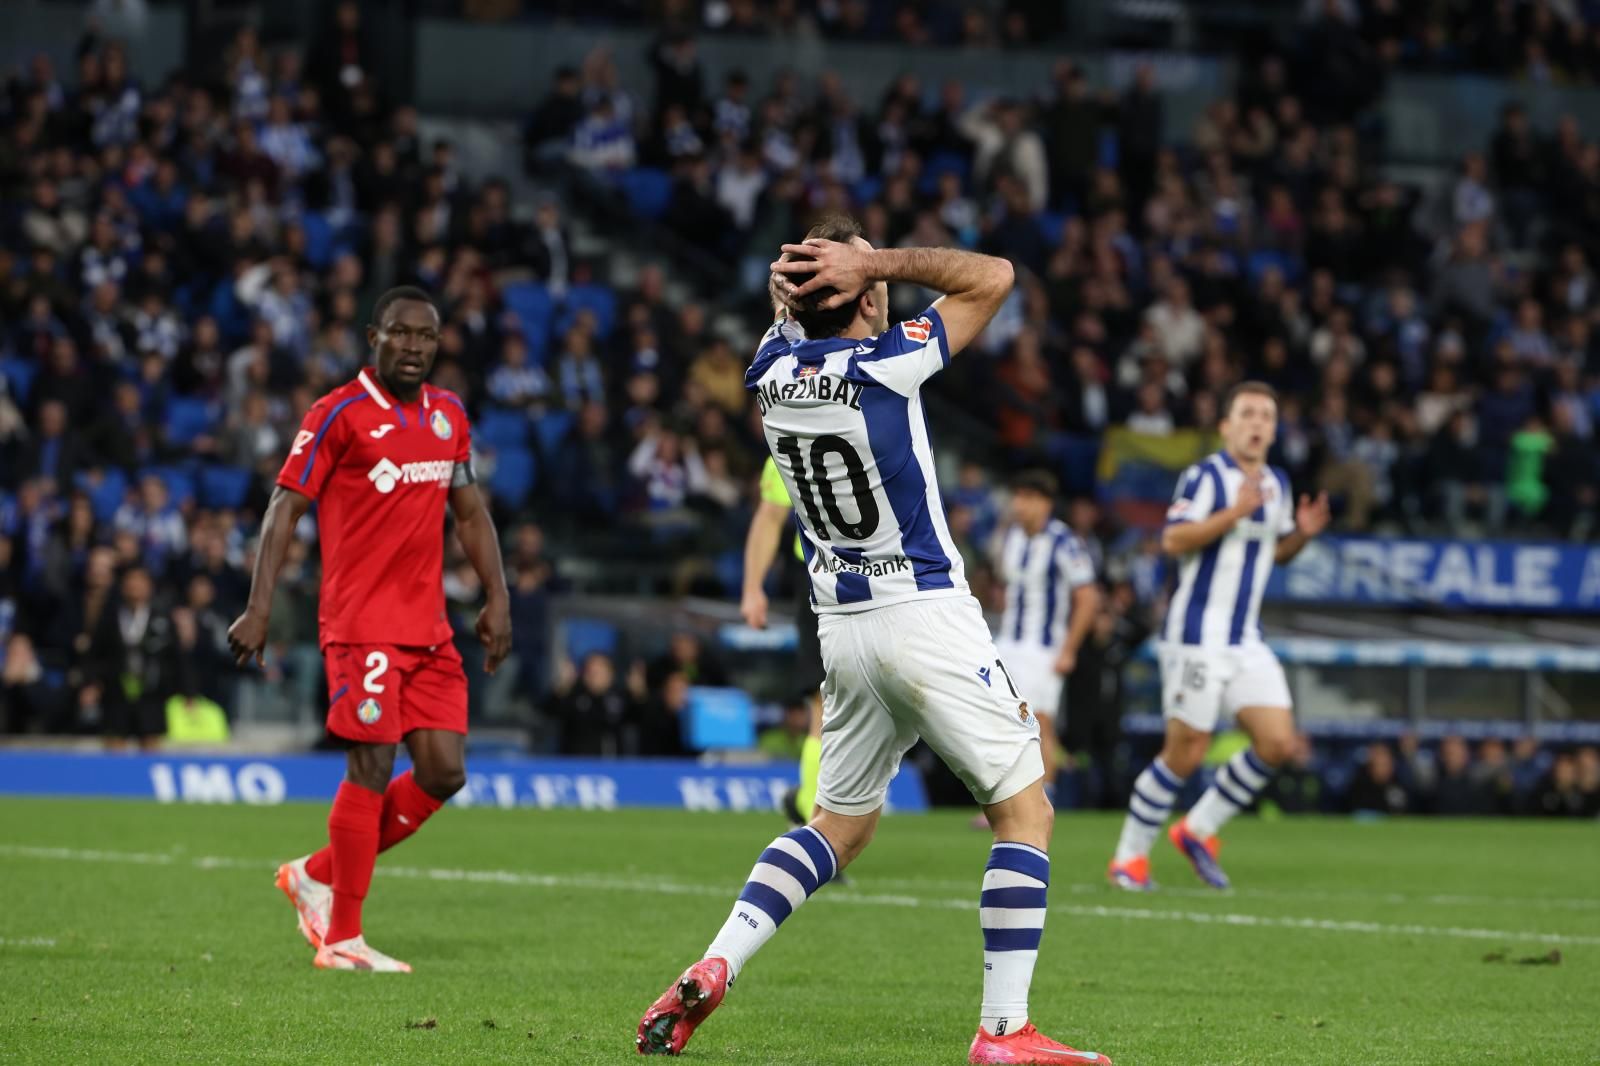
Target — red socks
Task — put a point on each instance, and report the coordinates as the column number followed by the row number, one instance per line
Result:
column 353, row 839
column 405, row 808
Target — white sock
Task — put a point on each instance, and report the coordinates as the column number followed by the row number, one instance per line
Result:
column 793, row 866
column 1153, row 795
column 1237, row 784
column 1011, row 911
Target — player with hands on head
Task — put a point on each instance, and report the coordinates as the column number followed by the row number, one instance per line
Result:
column 907, row 651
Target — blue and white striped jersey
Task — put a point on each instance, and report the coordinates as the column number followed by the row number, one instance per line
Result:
column 845, row 424
column 1218, row 600
column 1040, row 573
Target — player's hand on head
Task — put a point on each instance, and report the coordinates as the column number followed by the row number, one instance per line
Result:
column 834, row 264
column 494, row 629
column 247, row 638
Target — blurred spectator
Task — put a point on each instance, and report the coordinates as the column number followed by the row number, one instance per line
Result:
column 596, row 716
column 1376, row 787
column 1456, row 791
column 783, row 741
column 1561, row 793
column 134, row 658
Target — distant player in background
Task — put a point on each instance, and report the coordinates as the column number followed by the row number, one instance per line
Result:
column 1051, row 601
column 381, row 456
column 905, row 645
column 1232, row 520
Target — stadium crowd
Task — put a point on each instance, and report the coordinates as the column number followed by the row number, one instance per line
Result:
column 185, row 266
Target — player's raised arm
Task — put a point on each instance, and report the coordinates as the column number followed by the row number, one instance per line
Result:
column 247, row 637
column 974, row 285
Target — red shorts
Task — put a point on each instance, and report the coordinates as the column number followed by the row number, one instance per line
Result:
column 377, row 693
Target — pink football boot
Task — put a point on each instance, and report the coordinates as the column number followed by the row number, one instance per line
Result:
column 671, row 1020
column 1027, row 1045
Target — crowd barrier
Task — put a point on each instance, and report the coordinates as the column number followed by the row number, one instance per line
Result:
column 589, row 784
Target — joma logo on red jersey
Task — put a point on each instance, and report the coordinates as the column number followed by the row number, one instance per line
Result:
column 386, row 475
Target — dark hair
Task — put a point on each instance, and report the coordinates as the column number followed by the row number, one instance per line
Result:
column 397, row 294
column 1246, row 388
column 808, row 312
column 1041, row 481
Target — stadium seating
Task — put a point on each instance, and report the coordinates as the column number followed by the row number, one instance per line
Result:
column 189, row 417
column 513, row 477
column 223, row 486
column 648, row 191
column 499, row 428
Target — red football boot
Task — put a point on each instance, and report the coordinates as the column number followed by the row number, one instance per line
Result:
column 671, row 1020
column 1029, row 1046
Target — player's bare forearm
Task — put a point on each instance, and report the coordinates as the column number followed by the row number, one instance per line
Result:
column 284, row 511
column 1289, row 547
column 1184, row 537
column 761, row 543
column 1085, row 606
column 480, row 541
column 951, row 271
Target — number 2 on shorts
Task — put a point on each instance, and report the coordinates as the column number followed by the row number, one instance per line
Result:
column 379, row 665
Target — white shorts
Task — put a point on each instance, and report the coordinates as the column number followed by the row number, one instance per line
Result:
column 919, row 669
column 1033, row 670
column 1199, row 685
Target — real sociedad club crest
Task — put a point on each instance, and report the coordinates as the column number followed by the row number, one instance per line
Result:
column 439, row 422
column 369, row 711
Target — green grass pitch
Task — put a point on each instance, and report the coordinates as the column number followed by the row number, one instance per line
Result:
column 136, row 933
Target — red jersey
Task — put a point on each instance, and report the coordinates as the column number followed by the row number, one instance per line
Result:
column 380, row 472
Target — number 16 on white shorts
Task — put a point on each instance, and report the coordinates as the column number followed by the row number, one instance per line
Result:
column 1199, row 684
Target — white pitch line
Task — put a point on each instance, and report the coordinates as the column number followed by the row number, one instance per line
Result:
column 522, row 879
column 27, row 942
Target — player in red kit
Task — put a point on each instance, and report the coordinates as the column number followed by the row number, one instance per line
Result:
column 380, row 456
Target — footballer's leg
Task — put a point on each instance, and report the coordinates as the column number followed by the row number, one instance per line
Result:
column 1258, row 695
column 983, row 729
column 1191, row 699
column 863, row 751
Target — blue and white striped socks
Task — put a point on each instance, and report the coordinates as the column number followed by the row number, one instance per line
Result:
column 793, row 866
column 1011, row 910
column 1236, row 786
column 1153, row 795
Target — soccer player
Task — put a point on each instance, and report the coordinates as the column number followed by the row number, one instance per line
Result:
column 905, row 645
column 381, row 456
column 1232, row 520
column 1051, row 601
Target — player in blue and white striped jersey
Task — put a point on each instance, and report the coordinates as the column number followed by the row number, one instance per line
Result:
column 905, row 647
column 1051, row 601
column 1232, row 520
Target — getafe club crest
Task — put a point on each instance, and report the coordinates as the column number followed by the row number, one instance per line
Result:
column 439, row 422
column 369, row 711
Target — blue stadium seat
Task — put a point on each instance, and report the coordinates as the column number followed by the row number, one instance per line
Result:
column 1259, row 262
column 512, row 479
column 940, row 163
column 534, row 308
column 499, row 428
column 187, row 418
column 586, row 636
column 106, row 492
column 719, row 718
column 600, row 299
column 648, row 191
column 1050, row 225
column 18, row 374
column 223, row 486
column 728, row 567
column 180, row 482
column 319, row 239
column 551, row 431
column 867, row 189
